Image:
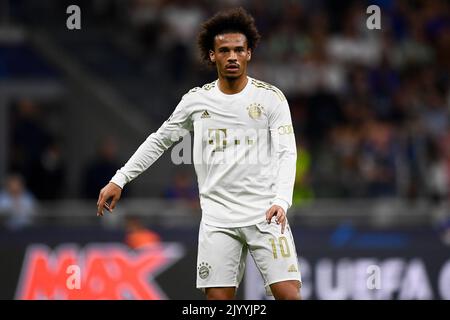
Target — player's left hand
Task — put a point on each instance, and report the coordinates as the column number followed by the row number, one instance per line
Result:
column 279, row 214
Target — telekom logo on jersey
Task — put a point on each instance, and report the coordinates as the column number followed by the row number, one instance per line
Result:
column 230, row 145
column 109, row 271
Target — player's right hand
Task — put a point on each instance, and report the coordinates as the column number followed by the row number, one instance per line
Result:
column 110, row 191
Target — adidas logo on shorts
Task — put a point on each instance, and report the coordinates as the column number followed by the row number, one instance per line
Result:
column 292, row 268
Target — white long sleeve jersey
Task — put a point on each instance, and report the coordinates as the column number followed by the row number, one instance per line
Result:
column 244, row 151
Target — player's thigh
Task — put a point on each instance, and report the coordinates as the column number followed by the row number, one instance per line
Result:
column 274, row 252
column 286, row 290
column 221, row 257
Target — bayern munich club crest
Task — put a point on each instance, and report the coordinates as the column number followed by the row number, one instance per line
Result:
column 204, row 270
column 255, row 111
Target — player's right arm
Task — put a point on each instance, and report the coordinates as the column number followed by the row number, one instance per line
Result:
column 148, row 152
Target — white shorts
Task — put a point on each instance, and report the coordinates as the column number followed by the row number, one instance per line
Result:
column 222, row 254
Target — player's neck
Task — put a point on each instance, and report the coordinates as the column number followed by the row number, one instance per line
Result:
column 232, row 86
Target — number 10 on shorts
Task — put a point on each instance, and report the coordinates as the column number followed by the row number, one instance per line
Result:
column 284, row 247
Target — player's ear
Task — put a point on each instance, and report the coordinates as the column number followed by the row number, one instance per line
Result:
column 249, row 54
column 212, row 56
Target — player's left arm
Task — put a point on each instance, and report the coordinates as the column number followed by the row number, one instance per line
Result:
column 283, row 141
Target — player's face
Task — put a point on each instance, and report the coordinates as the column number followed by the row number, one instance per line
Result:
column 230, row 55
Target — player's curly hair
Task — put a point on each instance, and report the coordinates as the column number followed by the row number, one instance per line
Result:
column 232, row 20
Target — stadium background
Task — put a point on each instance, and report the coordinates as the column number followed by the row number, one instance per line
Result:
column 371, row 117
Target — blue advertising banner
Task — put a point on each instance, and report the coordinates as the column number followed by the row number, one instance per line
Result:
column 336, row 263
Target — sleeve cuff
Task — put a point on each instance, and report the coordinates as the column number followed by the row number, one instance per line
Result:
column 119, row 179
column 282, row 203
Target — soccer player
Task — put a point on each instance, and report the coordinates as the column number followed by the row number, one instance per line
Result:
column 244, row 156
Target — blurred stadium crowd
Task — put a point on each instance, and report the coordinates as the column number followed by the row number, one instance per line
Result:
column 370, row 107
